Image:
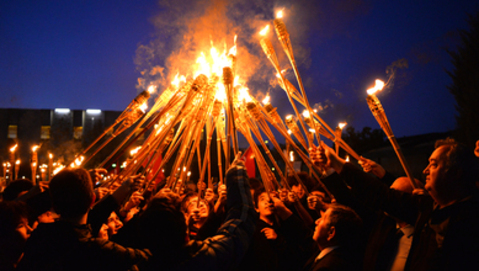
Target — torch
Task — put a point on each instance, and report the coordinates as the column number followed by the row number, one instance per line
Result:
column 339, row 131
column 12, row 159
column 43, row 172
column 17, row 168
column 378, row 112
column 289, row 120
column 283, row 37
column 228, row 82
column 271, row 54
column 34, row 163
column 4, row 171
column 50, row 166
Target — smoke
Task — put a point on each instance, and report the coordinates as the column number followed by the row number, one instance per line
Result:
column 185, row 29
column 391, row 70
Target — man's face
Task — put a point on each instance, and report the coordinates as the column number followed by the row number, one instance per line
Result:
column 298, row 189
column 114, row 224
column 436, row 177
column 265, row 205
column 23, row 230
column 197, row 213
column 321, row 230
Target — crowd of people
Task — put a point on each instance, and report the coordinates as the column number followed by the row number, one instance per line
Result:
column 353, row 219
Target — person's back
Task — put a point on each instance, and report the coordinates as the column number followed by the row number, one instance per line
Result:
column 68, row 244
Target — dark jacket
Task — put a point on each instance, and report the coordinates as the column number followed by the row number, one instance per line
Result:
column 63, row 246
column 444, row 239
column 226, row 249
column 339, row 259
column 289, row 251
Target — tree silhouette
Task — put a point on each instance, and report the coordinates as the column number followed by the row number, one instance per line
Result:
column 465, row 82
column 364, row 140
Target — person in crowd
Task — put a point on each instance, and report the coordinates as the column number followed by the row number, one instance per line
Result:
column 195, row 213
column 390, row 238
column 14, row 232
column 16, row 189
column 162, row 229
column 281, row 240
column 335, row 232
column 445, row 223
column 111, row 227
column 68, row 244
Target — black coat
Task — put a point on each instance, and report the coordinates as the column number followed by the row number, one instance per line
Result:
column 456, row 226
column 63, row 246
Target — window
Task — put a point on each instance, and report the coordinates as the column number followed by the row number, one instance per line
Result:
column 45, row 133
column 77, row 132
column 12, row 131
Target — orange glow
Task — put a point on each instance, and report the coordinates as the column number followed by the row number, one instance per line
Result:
column 17, row 162
column 214, row 63
column 244, row 95
column 135, row 150
column 289, row 132
column 264, row 31
column 143, row 107
column 220, row 92
column 13, row 148
column 347, row 158
column 266, row 100
column 291, row 156
column 289, row 117
column 177, row 80
column 50, row 156
column 306, row 114
column 279, row 14
column 151, row 89
column 378, row 87
column 342, row 124
column 34, row 148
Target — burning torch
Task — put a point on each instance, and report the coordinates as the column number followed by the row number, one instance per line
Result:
column 34, row 163
column 378, row 112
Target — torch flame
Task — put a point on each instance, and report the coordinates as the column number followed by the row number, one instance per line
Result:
column 151, row 89
column 220, row 92
column 34, row 148
column 13, row 148
column 58, row 169
column 264, row 31
column 266, row 100
column 176, row 81
column 342, row 124
column 215, row 62
column 143, row 107
column 378, row 87
column 279, row 14
column 79, row 161
column 306, row 114
column 135, row 150
column 347, row 158
column 244, row 95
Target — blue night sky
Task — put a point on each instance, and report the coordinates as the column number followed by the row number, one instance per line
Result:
column 90, row 54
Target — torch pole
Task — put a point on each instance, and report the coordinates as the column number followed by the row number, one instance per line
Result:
column 378, row 112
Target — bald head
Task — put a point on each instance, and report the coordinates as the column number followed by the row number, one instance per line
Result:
column 403, row 184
